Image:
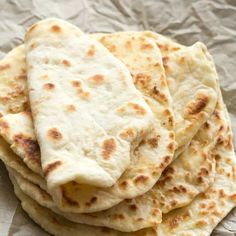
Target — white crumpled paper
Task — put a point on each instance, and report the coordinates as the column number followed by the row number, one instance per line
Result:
column 212, row 22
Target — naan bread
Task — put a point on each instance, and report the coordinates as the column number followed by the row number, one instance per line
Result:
column 83, row 101
column 209, row 208
column 192, row 80
column 150, row 157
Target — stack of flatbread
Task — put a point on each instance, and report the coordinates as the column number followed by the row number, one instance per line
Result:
column 115, row 134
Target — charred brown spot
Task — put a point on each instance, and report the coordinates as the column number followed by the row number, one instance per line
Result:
column 91, row 51
column 171, row 135
column 49, row 86
column 78, row 86
column 160, row 96
column 220, row 140
column 141, row 179
column 118, row 217
column 174, row 222
column 165, row 60
column 76, row 83
column 133, row 207
column 155, row 212
column 171, row 146
column 128, row 133
column 203, row 172
column 22, row 76
column 123, row 184
column 4, row 67
column 167, row 159
column 222, row 193
column 93, row 199
column 198, row 105
column 164, row 180
column 56, row 29
column 200, row 180
column 182, row 60
column 112, row 48
column 201, row 223
column 66, row 63
column 207, row 125
column 163, row 47
column 33, row 45
column 97, row 79
column 54, row 134
column 142, row 80
column 29, row 145
column 175, row 49
column 51, row 167
column 138, row 109
column 146, row 46
column 108, row 147
column 153, row 142
column 70, row 108
column 69, row 201
column 165, row 162
column 217, row 157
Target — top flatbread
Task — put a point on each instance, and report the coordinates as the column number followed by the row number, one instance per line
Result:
column 149, row 159
column 83, row 101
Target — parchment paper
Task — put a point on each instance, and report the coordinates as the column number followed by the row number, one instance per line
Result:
column 212, row 22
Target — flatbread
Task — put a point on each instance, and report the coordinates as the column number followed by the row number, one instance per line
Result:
column 76, row 88
column 192, row 80
column 209, row 208
column 149, row 159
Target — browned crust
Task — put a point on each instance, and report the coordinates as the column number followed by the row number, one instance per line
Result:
column 141, row 179
column 70, row 201
column 29, row 145
column 56, row 29
column 108, row 148
column 197, row 106
column 48, row 86
column 51, row 167
column 54, row 134
column 4, row 67
column 66, row 63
